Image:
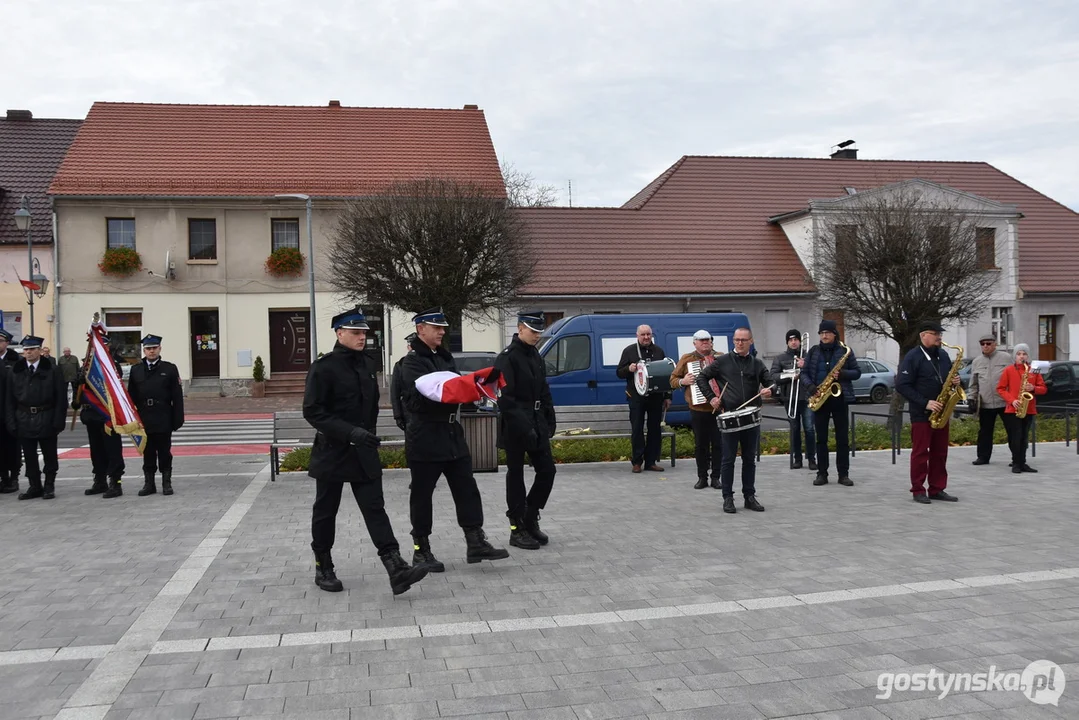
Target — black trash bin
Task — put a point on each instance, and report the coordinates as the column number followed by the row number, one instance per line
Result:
column 481, row 434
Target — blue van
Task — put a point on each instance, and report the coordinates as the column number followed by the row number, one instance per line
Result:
column 582, row 353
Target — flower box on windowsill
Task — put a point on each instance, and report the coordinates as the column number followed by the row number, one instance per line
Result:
column 120, row 262
column 285, row 262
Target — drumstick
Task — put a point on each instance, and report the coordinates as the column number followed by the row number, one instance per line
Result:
column 747, row 402
column 720, row 396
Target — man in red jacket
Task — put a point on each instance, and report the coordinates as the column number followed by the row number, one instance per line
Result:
column 1011, row 387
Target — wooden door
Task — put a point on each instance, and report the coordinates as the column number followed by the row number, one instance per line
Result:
column 205, row 344
column 289, row 346
column 1047, row 337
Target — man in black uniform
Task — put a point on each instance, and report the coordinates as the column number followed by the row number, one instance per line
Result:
column 527, row 425
column 154, row 385
column 36, row 409
column 341, row 403
column 10, row 449
column 435, row 445
column 397, row 400
column 106, row 447
column 647, row 410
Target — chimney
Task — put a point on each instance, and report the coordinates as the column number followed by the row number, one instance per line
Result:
column 472, row 107
column 845, row 151
column 20, row 115
column 335, row 103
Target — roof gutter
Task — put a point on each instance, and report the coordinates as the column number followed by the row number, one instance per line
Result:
column 669, row 296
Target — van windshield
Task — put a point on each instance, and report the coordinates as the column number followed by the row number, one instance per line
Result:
column 544, row 341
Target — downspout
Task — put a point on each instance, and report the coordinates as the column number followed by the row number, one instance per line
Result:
column 57, row 343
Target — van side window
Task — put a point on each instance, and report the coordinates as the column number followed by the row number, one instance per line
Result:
column 569, row 354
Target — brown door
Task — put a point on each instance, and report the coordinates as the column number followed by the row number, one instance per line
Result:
column 1047, row 337
column 205, row 344
column 288, row 341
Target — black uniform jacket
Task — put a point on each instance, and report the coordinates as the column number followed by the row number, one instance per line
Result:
column 10, row 357
column 36, row 404
column 743, row 377
column 342, row 394
column 433, row 433
column 527, row 409
column 397, row 401
column 158, row 396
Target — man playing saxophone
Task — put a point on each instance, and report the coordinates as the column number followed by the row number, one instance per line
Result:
column 828, row 376
column 922, row 375
column 1018, row 385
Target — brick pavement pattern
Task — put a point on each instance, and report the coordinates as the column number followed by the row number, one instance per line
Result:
column 648, row 603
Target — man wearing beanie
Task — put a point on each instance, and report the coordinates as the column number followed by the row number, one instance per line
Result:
column 820, row 362
column 985, row 373
column 1010, row 388
column 791, row 359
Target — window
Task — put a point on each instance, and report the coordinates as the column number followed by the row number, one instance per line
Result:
column 985, row 240
column 1002, row 326
column 846, row 239
column 1059, row 377
column 569, row 354
column 125, row 333
column 837, row 317
column 550, row 318
column 121, row 233
column 285, row 233
column 201, row 239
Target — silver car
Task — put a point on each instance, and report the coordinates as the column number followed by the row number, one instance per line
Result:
column 877, row 381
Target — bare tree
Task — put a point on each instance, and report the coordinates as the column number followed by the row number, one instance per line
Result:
column 523, row 190
column 431, row 243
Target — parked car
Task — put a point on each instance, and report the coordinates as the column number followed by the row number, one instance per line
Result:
column 964, row 372
column 1062, row 382
column 470, row 362
column 877, row 381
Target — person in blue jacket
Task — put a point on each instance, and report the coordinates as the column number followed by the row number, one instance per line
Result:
column 820, row 361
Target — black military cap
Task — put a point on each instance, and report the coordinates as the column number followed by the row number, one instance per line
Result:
column 532, row 319
column 353, row 319
column 431, row 316
column 151, row 341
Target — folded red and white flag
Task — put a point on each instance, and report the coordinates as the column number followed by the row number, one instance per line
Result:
column 453, row 389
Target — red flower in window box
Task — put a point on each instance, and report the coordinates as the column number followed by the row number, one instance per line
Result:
column 120, row 261
column 285, row 262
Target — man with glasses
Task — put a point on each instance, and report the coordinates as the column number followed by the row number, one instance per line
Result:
column 821, row 362
column 708, row 440
column 985, row 373
column 646, row 411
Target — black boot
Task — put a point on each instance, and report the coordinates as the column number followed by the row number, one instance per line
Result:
column 402, row 575
column 10, row 484
column 479, row 548
column 100, row 485
column 532, row 518
column 149, row 487
column 520, row 537
column 325, row 577
column 115, row 489
column 422, row 555
column 166, row 482
column 717, row 484
column 33, row 491
column 702, row 483
column 49, row 491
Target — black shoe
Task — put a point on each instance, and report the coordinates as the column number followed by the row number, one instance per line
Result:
column 752, row 504
column 32, row 492
column 519, row 537
column 717, row 484
column 797, row 465
column 702, row 483
column 1026, row 468
column 532, row 518
column 728, row 505
column 100, row 485
column 922, row 498
column 166, row 483
column 479, row 549
column 325, row 577
column 943, row 496
column 844, row 480
column 422, row 555
column 812, row 464
column 149, row 487
column 402, row 575
column 1016, row 470
column 980, row 461
column 821, row 479
column 9, row 485
column 49, row 491
column 115, row 489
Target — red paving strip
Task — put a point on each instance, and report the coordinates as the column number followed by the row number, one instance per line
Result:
column 182, row 451
column 231, row 416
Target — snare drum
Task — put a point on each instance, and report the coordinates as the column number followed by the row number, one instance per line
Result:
column 653, row 377
column 738, row 420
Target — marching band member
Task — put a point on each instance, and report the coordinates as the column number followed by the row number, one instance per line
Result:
column 791, row 359
column 645, row 452
column 1018, row 385
column 708, row 440
column 820, row 363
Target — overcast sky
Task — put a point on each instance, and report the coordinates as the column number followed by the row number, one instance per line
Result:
column 606, row 94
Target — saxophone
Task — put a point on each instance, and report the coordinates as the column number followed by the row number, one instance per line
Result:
column 1024, row 396
column 950, row 395
column 829, row 388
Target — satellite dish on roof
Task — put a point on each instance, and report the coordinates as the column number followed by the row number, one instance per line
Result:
column 170, row 267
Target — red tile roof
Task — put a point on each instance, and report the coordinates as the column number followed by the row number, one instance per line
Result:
column 251, row 151
column 30, row 152
column 718, row 208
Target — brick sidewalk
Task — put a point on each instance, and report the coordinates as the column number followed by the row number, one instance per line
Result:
column 648, row 603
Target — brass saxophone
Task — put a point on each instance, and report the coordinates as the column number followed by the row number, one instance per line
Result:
column 1024, row 396
column 950, row 395
column 830, row 386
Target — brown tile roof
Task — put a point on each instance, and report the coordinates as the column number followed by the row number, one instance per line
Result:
column 30, row 152
column 251, row 151
column 718, row 209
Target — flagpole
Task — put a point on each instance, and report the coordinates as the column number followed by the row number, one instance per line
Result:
column 77, row 397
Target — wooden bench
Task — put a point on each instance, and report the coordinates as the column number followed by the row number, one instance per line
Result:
column 602, row 421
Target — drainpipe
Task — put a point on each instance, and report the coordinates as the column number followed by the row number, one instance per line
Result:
column 57, row 343
column 685, row 305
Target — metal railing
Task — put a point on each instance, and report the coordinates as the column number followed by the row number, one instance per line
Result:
column 1068, row 409
column 896, row 430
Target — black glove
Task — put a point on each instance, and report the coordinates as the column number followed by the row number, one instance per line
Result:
column 361, row 437
column 493, row 376
column 401, row 423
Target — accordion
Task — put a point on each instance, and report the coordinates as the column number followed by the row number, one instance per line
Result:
column 697, row 397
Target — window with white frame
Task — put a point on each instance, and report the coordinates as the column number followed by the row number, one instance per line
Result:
column 284, row 232
column 121, row 233
column 125, row 332
column 1002, row 326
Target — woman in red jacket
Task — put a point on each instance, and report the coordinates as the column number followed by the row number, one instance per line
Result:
column 1009, row 388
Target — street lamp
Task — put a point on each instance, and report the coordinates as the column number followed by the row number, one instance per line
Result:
column 22, row 221
column 310, row 270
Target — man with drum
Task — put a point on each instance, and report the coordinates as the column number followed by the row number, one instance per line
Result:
column 740, row 377
column 708, row 441
column 644, row 410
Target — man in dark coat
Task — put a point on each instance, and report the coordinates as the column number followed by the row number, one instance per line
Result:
column 435, row 445
column 106, row 446
column 792, row 361
column 341, row 403
column 646, row 411
column 527, row 423
column 155, row 388
column 36, row 410
column 397, row 400
column 10, row 449
column 820, row 362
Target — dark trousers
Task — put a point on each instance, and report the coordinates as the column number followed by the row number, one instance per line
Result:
column 10, row 455
column 803, row 420
column 645, row 414
column 158, row 453
column 987, row 423
column 48, row 453
column 748, row 440
column 106, row 451
column 517, row 501
column 372, row 507
column 708, row 444
column 1018, row 437
column 928, row 458
column 834, row 409
column 466, row 496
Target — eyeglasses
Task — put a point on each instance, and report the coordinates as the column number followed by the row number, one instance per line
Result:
column 743, row 339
